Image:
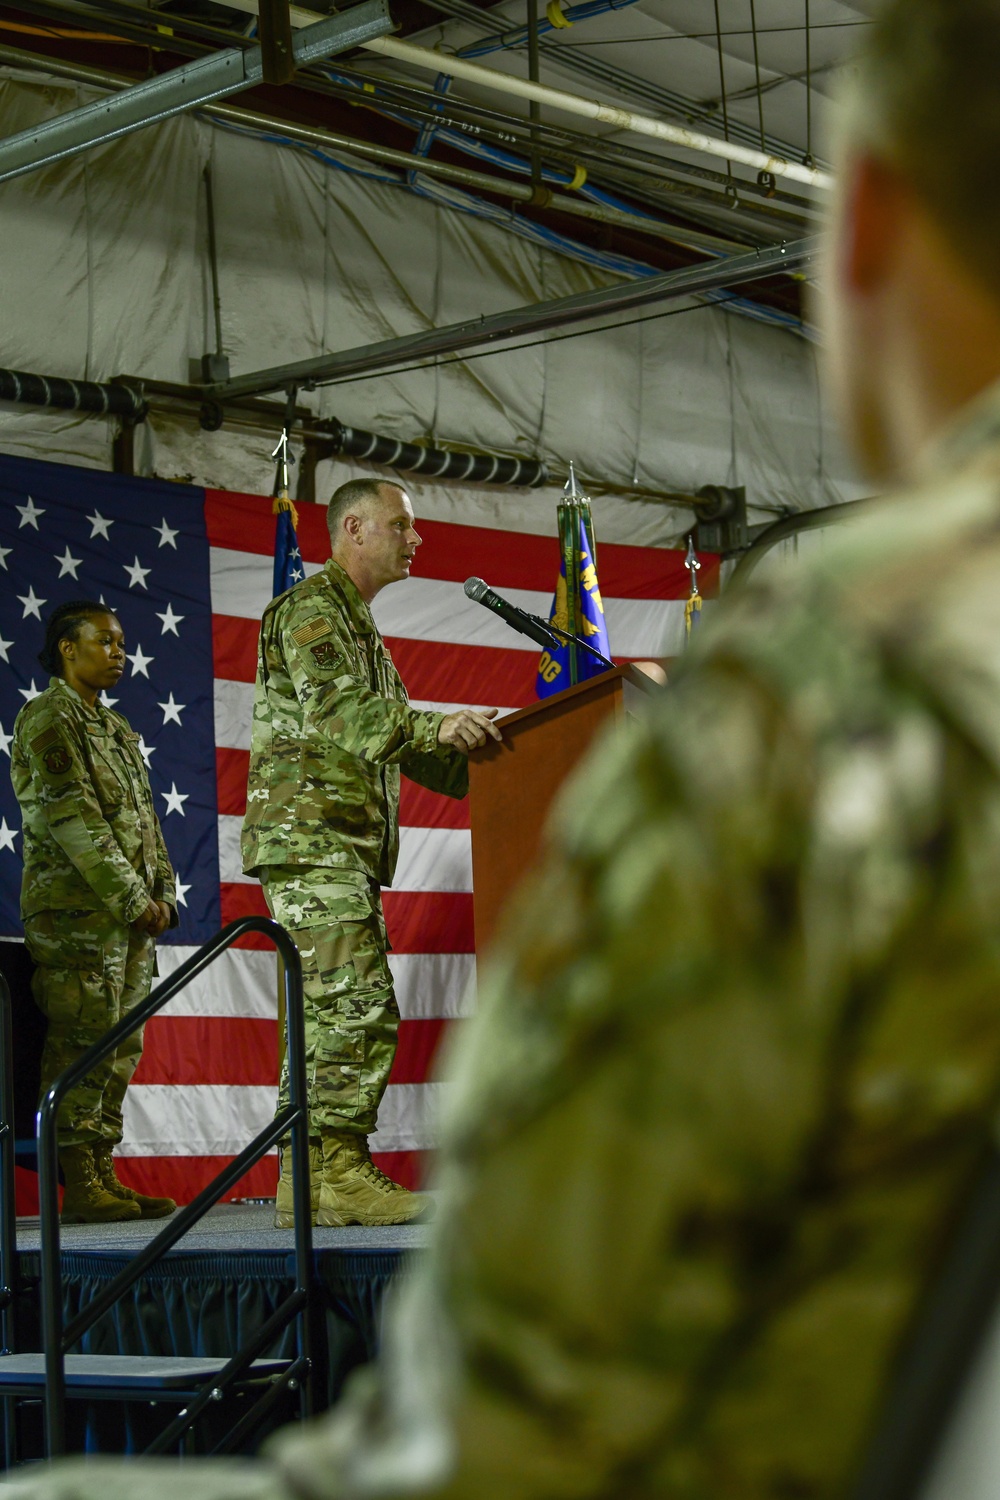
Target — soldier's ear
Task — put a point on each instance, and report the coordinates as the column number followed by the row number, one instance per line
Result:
column 353, row 527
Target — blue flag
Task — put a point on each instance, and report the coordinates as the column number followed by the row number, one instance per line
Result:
column 554, row 666
column 287, row 558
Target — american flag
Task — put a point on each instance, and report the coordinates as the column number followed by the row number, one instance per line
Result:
column 189, row 572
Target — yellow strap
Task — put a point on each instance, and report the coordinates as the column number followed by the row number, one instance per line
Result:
column 579, row 178
column 555, row 15
column 281, row 503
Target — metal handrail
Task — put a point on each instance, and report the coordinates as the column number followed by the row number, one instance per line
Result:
column 8, row 1208
column 56, row 1340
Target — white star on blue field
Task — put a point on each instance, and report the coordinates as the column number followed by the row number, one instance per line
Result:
column 139, row 547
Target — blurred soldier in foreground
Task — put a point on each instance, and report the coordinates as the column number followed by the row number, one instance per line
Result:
column 738, row 1055
column 98, row 889
column 332, row 729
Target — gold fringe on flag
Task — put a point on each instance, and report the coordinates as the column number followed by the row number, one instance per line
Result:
column 282, row 502
column 692, row 613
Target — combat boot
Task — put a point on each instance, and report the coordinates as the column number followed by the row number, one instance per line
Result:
column 284, row 1207
column 149, row 1208
column 86, row 1200
column 354, row 1191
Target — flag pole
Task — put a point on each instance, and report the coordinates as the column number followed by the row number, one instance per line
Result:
column 569, row 542
column 692, row 609
column 283, row 502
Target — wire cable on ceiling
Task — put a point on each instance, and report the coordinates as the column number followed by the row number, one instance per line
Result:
column 756, row 67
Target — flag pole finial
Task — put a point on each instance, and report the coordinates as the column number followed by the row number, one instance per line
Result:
column 283, row 458
column 692, row 609
column 692, row 564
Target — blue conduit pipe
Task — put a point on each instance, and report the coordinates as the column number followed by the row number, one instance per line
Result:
column 515, row 223
column 428, row 131
column 506, row 218
column 556, row 19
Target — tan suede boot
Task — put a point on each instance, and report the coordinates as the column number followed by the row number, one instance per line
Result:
column 284, row 1207
column 149, row 1208
column 86, row 1200
column 354, row 1191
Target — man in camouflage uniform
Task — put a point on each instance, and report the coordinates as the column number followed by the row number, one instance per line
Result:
column 97, row 889
column 737, row 1060
column 332, row 729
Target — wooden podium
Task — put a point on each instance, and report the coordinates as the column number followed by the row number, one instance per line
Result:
column 512, row 784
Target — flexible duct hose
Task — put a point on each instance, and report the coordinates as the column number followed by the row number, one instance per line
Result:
column 482, row 468
column 118, row 400
column 72, row 395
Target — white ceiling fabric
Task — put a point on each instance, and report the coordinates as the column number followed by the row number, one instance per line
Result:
column 104, row 271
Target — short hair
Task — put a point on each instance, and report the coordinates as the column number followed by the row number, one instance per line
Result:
column 349, row 496
column 64, row 624
column 925, row 96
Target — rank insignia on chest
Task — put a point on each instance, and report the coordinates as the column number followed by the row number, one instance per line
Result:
column 57, row 761
column 324, row 653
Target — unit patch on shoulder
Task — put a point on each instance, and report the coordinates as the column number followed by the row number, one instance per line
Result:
column 325, row 653
column 312, row 630
column 57, row 760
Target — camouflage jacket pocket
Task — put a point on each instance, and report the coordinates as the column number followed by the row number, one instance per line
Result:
column 107, row 771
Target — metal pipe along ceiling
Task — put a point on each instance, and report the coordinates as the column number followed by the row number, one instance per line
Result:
column 313, row 136
column 691, row 281
column 609, row 114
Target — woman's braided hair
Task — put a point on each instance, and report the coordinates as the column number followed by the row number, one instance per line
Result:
column 64, row 623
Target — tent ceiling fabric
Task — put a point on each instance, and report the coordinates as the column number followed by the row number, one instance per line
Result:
column 104, row 271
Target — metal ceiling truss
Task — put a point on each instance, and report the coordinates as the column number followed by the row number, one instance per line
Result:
column 658, row 181
column 244, row 119
column 213, row 77
column 538, row 317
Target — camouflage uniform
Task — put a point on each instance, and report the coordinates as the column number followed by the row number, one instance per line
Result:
column 736, row 1062
column 94, row 856
column 332, row 729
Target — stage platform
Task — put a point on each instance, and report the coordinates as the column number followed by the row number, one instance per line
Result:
column 216, row 1286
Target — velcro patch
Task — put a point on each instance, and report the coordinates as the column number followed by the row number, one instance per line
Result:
column 47, row 737
column 325, row 654
column 312, row 630
column 57, row 760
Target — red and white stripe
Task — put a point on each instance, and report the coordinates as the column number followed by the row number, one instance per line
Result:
column 207, row 1077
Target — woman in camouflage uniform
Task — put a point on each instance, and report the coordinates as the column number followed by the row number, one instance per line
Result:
column 98, row 889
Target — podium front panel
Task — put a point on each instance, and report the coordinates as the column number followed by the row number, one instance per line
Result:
column 512, row 785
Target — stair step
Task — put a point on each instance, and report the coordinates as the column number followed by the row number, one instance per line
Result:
column 130, row 1371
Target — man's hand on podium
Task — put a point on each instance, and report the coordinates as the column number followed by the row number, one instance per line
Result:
column 469, row 728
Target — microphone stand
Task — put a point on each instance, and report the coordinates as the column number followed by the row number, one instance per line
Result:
column 579, row 641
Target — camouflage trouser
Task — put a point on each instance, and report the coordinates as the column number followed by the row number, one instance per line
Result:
column 351, row 1016
column 90, row 972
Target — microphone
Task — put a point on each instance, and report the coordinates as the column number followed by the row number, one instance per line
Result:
column 517, row 619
